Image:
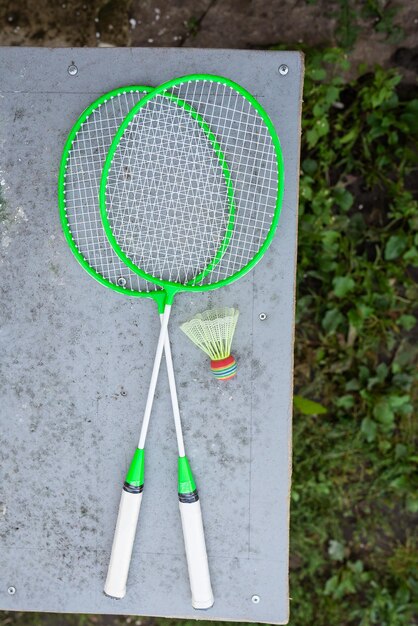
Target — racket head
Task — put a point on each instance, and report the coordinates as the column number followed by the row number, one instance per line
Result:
column 235, row 127
column 78, row 188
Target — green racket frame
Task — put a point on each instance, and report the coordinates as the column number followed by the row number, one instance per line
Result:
column 161, row 296
column 172, row 288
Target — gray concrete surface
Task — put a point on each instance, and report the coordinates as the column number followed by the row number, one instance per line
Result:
column 70, row 347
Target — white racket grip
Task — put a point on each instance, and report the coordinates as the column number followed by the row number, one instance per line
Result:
column 197, row 558
column 123, row 542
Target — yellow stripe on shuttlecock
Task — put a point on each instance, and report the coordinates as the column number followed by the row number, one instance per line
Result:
column 212, row 331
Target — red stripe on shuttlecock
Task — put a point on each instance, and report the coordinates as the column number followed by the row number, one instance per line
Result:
column 224, row 369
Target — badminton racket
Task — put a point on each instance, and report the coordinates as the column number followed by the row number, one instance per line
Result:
column 80, row 171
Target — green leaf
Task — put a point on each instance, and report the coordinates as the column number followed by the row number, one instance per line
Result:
column 384, row 413
column 382, row 371
column 350, row 136
column 400, row 483
column 330, row 241
column 322, row 127
column 343, row 198
column 384, row 446
column 357, row 316
column 345, row 402
column 395, row 246
column 400, row 451
column 319, row 109
column 410, row 116
column 295, row 496
column 317, row 73
column 343, row 285
column 332, row 94
column 352, row 385
column 309, row 166
column 406, row 409
column 369, row 429
column 407, row 321
column 402, row 596
column 397, row 401
column 333, row 318
column 336, row 550
column 312, row 137
column 364, row 373
column 357, row 567
column 331, row 585
column 412, row 503
column 308, row 407
column 306, row 191
column 411, row 256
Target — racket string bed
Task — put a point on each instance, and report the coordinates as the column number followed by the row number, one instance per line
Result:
column 184, row 233
column 174, row 222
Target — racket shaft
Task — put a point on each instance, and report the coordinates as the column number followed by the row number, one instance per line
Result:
column 123, row 542
column 154, row 376
column 197, row 560
column 173, row 392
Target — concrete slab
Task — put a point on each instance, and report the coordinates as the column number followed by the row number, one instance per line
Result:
column 76, row 366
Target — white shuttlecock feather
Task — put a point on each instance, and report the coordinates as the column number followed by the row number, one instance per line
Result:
column 212, row 331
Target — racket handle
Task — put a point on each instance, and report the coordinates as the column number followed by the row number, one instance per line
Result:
column 124, row 537
column 194, row 539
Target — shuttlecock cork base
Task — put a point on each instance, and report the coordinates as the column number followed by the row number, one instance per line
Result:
column 212, row 332
column 224, row 369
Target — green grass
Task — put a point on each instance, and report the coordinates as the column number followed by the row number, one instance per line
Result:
column 354, row 500
column 354, row 558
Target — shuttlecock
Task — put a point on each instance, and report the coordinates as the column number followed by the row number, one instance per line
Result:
column 212, row 331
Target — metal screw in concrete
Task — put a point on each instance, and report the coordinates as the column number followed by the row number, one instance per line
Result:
column 72, row 69
column 263, row 316
column 283, row 70
column 11, row 591
column 121, row 281
column 255, row 599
